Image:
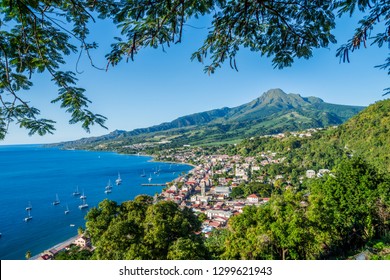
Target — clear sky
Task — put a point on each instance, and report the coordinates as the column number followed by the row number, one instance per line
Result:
column 161, row 86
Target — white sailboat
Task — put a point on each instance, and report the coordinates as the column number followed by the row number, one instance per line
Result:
column 143, row 174
column 29, row 207
column 150, row 178
column 29, row 217
column 83, row 196
column 76, row 193
column 57, row 201
column 84, row 204
column 109, row 186
column 67, row 209
column 118, row 181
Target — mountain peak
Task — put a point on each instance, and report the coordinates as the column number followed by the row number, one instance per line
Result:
column 273, row 112
column 274, row 92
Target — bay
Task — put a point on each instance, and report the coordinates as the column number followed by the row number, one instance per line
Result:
column 33, row 174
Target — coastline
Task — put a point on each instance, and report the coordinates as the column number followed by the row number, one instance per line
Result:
column 57, row 247
column 62, row 245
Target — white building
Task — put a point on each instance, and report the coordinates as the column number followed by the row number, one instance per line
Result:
column 252, row 199
column 310, row 174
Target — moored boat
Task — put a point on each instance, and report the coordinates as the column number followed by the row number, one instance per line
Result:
column 118, row 181
column 76, row 193
column 29, row 207
column 67, row 209
column 84, row 204
column 57, row 201
column 29, row 217
column 83, row 196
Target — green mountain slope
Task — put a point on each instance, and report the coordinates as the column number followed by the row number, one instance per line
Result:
column 368, row 134
column 273, row 112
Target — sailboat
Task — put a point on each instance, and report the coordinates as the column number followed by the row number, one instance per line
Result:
column 150, row 178
column 67, row 209
column 108, row 187
column 76, row 193
column 57, row 201
column 143, row 174
column 29, row 217
column 119, row 180
column 29, row 207
column 83, row 196
column 84, row 204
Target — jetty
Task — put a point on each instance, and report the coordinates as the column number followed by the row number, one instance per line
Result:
column 153, row 185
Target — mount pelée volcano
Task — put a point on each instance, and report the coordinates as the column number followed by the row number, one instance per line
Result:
column 273, row 112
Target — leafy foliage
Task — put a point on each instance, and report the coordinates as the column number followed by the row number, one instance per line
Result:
column 36, row 37
column 74, row 253
column 141, row 230
column 376, row 11
column 338, row 214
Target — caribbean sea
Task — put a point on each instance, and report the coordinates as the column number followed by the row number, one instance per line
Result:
column 33, row 175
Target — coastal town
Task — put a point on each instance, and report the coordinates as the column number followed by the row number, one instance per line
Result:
column 209, row 188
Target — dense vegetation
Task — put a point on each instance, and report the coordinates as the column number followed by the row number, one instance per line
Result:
column 334, row 216
column 364, row 135
column 140, row 229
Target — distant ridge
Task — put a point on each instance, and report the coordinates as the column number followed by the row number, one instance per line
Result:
column 273, row 112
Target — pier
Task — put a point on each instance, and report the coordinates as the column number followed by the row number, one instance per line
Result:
column 153, row 185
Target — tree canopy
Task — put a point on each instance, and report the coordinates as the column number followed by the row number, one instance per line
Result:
column 36, row 37
column 141, row 230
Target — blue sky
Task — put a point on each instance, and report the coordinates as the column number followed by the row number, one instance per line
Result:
column 161, row 86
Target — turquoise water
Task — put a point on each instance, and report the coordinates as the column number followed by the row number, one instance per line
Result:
column 34, row 174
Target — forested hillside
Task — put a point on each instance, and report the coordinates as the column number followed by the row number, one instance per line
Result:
column 273, row 112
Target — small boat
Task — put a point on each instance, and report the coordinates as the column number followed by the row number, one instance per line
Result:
column 29, row 207
column 57, row 201
column 150, row 178
column 109, row 186
column 119, row 180
column 83, row 205
column 76, row 193
column 67, row 209
column 29, row 217
column 143, row 174
column 72, row 225
column 83, row 196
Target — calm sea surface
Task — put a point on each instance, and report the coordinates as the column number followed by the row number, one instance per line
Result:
column 34, row 175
